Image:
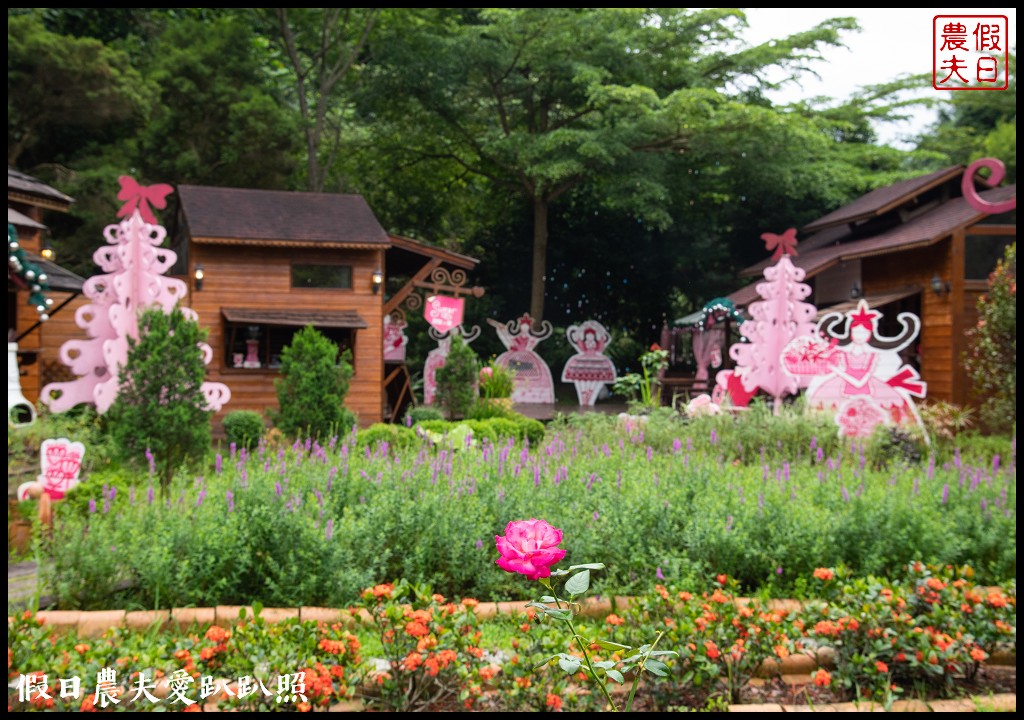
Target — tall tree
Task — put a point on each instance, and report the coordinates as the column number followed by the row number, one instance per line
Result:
column 542, row 100
column 322, row 47
column 56, row 82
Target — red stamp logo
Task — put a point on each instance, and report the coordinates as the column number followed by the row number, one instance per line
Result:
column 970, row 52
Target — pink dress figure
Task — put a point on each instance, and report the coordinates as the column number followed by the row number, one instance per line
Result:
column 436, row 358
column 395, row 339
column 867, row 386
column 533, row 383
column 590, row 370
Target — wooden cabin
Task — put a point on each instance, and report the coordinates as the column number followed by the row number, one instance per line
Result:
column 260, row 265
column 39, row 342
column 914, row 246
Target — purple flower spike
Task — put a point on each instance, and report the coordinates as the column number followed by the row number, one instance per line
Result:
column 659, row 574
column 92, row 505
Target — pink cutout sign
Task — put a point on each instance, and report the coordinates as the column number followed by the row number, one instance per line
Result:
column 395, row 339
column 436, row 358
column 533, row 383
column 589, row 369
column 443, row 313
column 133, row 264
column 865, row 384
column 61, row 462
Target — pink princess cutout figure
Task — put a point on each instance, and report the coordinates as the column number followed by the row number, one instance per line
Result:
column 590, row 369
column 436, row 358
column 864, row 380
column 533, row 383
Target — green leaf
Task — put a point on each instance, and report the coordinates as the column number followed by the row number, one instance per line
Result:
column 656, row 668
column 558, row 614
column 588, row 566
column 538, row 666
column 559, row 573
column 616, row 676
column 548, row 599
column 578, row 583
column 257, row 608
column 569, row 664
column 609, row 645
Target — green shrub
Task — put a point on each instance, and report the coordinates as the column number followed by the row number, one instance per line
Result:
column 456, row 380
column 421, row 413
column 496, row 381
column 991, row 360
column 160, row 407
column 398, row 437
column 483, row 409
column 244, row 428
column 312, row 388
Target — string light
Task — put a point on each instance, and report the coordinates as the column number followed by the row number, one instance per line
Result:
column 28, row 272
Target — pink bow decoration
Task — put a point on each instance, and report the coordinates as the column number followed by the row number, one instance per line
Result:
column 784, row 244
column 140, row 197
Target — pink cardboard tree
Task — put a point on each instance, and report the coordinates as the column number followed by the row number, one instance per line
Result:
column 133, row 263
column 778, row 319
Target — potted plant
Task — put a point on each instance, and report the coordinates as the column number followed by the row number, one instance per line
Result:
column 496, row 385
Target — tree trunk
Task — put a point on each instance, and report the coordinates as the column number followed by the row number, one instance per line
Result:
column 540, row 252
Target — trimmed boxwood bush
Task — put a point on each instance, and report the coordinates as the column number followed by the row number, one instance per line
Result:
column 244, row 428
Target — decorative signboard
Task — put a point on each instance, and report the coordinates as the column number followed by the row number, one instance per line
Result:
column 589, row 369
column 395, row 339
column 444, row 313
column 533, row 383
column 858, row 373
column 61, row 462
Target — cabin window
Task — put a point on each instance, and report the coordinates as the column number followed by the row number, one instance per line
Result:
column 331, row 277
column 982, row 252
column 260, row 346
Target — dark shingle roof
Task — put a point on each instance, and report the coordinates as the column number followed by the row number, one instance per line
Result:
column 883, row 199
column 268, row 216
column 922, row 231
column 19, row 182
column 57, row 277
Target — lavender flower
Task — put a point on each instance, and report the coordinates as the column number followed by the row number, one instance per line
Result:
column 479, row 544
column 230, row 498
column 277, row 489
column 201, row 497
column 659, row 574
column 149, row 495
column 596, row 516
column 92, row 505
column 329, row 531
column 152, row 461
column 846, row 494
column 218, row 464
column 945, row 493
column 677, row 446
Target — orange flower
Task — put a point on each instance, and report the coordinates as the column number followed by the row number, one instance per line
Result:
column 978, row 655
column 719, row 597
column 822, row 678
column 554, row 702
column 206, row 654
column 722, row 579
column 824, row 574
column 782, row 651
column 523, row 682
column 712, row 650
column 432, row 665
column 935, row 584
column 474, row 651
column 525, row 627
column 334, row 647
column 417, row 629
column 412, row 661
column 303, row 707
column 217, row 634
column 996, row 599
column 87, row 704
column 487, row 673
column 439, row 599
column 383, row 590
column 614, row 619
column 881, row 666
column 685, row 596
column 470, row 602
column 338, row 671
column 80, row 648
column 662, row 591
column 901, row 657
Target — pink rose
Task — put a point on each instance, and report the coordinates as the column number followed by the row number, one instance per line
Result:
column 529, row 547
column 486, row 373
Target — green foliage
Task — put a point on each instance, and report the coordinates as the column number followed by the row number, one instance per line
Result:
column 421, row 413
column 317, row 524
column 644, row 390
column 244, row 428
column 56, row 82
column 457, row 379
column 496, row 381
column 160, row 407
column 312, row 388
column 396, row 437
column 889, row 444
column 991, row 360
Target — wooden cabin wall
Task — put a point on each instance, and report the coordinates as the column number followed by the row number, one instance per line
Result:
column 939, row 345
column 260, row 277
